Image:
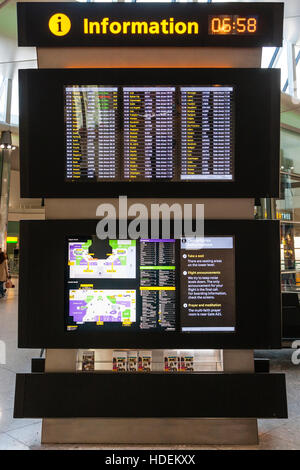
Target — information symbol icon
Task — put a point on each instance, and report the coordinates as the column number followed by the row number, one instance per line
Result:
column 59, row 24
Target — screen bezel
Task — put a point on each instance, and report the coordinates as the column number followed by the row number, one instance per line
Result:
column 41, row 298
column 257, row 119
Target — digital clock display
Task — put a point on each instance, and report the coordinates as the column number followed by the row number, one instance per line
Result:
column 233, row 24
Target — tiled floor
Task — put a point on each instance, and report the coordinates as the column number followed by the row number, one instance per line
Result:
column 25, row 434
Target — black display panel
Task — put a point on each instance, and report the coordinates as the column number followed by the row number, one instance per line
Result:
column 149, row 293
column 234, row 25
column 122, row 395
column 147, row 24
column 166, row 133
column 150, row 132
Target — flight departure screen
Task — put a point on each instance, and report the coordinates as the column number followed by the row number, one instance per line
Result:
column 149, row 133
column 121, row 284
column 125, row 285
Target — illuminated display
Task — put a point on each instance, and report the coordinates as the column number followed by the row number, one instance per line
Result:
column 206, row 133
column 165, row 26
column 127, row 284
column 207, row 284
column 12, row 240
column 132, row 285
column 233, row 24
column 91, row 129
column 149, row 133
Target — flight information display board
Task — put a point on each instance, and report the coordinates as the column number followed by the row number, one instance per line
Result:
column 169, row 133
column 134, row 284
column 207, row 133
column 91, row 131
column 149, row 132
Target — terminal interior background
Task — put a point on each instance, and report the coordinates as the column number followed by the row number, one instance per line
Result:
column 274, row 434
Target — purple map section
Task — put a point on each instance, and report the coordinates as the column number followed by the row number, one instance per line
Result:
column 124, row 302
column 77, row 310
column 111, row 319
column 73, row 257
column 74, row 312
column 117, row 262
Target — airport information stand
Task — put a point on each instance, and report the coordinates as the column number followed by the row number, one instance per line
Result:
column 218, row 405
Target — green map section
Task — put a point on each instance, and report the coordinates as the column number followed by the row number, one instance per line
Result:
column 118, row 244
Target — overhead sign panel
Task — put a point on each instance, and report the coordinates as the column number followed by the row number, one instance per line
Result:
column 145, row 132
column 144, row 24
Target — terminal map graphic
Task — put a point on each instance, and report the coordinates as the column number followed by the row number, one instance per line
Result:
column 102, row 306
column 116, row 261
column 113, row 285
